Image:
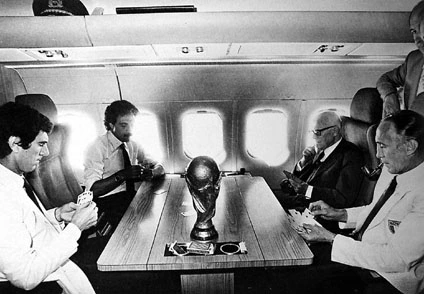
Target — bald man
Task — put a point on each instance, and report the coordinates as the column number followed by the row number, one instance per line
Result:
column 408, row 75
column 330, row 170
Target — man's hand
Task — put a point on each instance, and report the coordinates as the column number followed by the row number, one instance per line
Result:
column 308, row 155
column 298, row 185
column 390, row 104
column 146, row 173
column 325, row 211
column 85, row 216
column 314, row 233
column 65, row 212
column 132, row 173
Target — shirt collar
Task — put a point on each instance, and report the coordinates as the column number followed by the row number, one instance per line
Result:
column 10, row 177
column 330, row 149
column 411, row 177
column 115, row 142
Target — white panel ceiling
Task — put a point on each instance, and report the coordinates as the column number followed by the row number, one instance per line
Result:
column 222, row 29
column 24, row 7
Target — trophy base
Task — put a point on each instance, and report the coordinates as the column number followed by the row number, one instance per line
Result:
column 204, row 235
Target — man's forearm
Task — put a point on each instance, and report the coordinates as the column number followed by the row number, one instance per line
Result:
column 390, row 104
column 106, row 185
column 341, row 215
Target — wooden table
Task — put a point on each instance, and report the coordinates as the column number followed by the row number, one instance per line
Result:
column 246, row 210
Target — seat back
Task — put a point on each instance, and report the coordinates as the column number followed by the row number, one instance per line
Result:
column 54, row 180
column 359, row 128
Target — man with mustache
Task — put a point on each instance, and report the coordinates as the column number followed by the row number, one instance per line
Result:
column 114, row 162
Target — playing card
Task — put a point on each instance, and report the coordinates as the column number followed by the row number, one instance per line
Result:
column 297, row 219
column 86, row 196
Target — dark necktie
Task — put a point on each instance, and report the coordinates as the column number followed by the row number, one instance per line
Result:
column 386, row 195
column 309, row 170
column 31, row 194
column 127, row 164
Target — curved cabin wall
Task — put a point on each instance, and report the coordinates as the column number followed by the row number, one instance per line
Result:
column 11, row 84
column 231, row 89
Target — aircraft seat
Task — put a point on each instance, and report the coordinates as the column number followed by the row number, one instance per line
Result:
column 359, row 128
column 54, row 181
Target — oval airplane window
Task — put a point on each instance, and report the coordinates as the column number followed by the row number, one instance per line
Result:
column 82, row 132
column 266, row 136
column 341, row 111
column 146, row 133
column 202, row 134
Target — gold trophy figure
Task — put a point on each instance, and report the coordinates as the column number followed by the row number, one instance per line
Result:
column 203, row 179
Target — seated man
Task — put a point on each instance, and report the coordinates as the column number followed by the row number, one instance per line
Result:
column 114, row 162
column 330, row 170
column 35, row 244
column 387, row 237
column 408, row 75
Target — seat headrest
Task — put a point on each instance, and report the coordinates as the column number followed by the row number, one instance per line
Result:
column 41, row 102
column 367, row 106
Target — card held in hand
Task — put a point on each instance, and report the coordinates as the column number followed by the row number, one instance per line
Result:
column 86, row 196
column 297, row 219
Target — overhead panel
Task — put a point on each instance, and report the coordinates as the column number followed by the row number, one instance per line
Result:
column 292, row 49
column 108, row 53
column 191, row 51
column 38, row 32
column 243, row 27
column 10, row 55
column 384, row 49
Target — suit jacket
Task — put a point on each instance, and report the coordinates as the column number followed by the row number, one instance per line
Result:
column 393, row 244
column 407, row 75
column 338, row 179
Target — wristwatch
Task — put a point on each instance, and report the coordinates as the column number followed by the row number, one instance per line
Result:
column 119, row 179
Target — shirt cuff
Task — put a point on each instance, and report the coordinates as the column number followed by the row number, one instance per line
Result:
column 72, row 231
column 308, row 193
column 298, row 167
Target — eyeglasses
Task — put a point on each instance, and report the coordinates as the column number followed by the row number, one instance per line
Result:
column 319, row 132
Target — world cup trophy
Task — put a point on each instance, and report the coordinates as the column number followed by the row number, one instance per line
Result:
column 203, row 179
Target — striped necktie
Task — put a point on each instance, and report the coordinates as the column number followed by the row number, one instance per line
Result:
column 309, row 171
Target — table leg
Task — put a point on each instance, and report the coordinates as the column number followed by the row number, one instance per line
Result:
column 217, row 283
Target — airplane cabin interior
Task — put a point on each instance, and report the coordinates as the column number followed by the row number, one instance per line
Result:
column 240, row 81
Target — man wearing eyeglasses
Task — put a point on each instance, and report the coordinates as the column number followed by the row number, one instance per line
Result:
column 329, row 171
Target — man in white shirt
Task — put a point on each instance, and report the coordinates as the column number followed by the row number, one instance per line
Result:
column 105, row 171
column 330, row 170
column 35, row 244
column 389, row 238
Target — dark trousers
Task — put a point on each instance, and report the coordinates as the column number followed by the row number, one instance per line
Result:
column 91, row 245
column 92, row 242
column 114, row 206
column 325, row 276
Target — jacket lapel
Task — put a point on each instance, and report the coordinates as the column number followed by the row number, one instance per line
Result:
column 414, row 84
column 385, row 209
column 329, row 161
